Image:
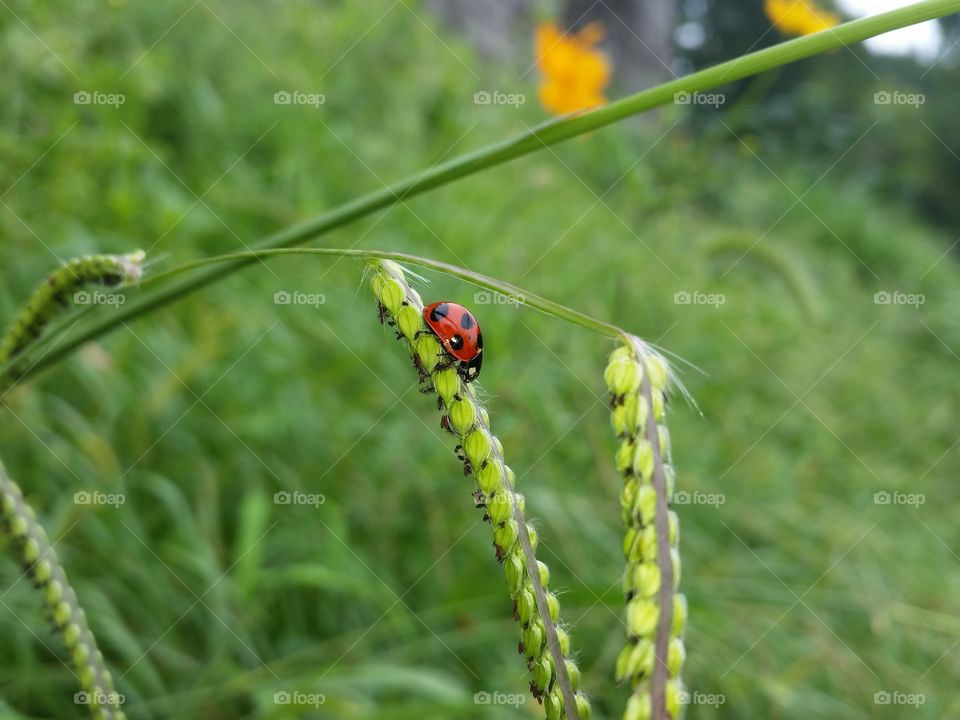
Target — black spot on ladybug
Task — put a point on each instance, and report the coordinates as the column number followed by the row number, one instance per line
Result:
column 479, row 339
column 456, row 342
column 467, row 321
column 439, row 312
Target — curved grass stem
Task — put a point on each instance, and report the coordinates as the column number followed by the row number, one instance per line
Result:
column 519, row 295
column 536, row 139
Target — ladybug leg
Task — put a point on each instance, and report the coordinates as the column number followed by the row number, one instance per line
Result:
column 447, row 362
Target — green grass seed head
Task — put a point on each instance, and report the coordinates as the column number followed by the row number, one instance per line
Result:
column 544, row 573
column 642, row 579
column 67, row 617
column 543, row 673
column 64, row 287
column 553, row 705
column 642, row 616
column 639, row 707
column 505, row 537
column 573, row 672
column 428, row 352
column 53, row 593
column 553, row 604
column 534, row 637
column 489, row 477
column 679, row 615
column 447, row 384
column 499, row 506
column 534, row 536
column 463, row 416
column 71, row 635
column 564, row 640
column 526, row 604
column 637, row 379
column 623, row 373
column 676, row 657
column 504, row 507
column 18, row 527
column 635, row 662
column 515, row 571
column 477, row 446
column 80, row 655
column 388, row 292
column 42, row 572
column 30, row 551
column 409, row 321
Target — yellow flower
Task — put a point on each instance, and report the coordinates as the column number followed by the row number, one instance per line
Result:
column 799, row 17
column 574, row 73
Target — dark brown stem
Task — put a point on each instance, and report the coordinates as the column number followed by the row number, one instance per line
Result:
column 533, row 571
column 658, row 681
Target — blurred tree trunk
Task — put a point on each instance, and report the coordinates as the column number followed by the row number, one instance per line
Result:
column 639, row 33
column 497, row 28
column 639, row 36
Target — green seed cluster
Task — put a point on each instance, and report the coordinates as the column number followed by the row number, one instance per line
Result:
column 40, row 563
column 628, row 376
column 482, row 455
column 57, row 292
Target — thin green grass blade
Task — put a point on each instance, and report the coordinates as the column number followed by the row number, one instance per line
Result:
column 535, row 139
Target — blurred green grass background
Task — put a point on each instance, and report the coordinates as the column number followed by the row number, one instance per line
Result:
column 807, row 597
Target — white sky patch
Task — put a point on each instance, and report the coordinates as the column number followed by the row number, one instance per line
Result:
column 923, row 41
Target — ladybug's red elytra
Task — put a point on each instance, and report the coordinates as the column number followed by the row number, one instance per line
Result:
column 458, row 331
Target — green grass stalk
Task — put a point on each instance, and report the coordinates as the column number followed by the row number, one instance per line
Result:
column 40, row 563
column 536, row 139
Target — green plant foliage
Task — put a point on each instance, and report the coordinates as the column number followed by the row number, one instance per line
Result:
column 213, row 597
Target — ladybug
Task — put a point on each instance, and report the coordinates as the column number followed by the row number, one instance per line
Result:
column 458, row 331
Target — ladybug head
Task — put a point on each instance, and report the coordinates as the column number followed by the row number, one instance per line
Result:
column 471, row 369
